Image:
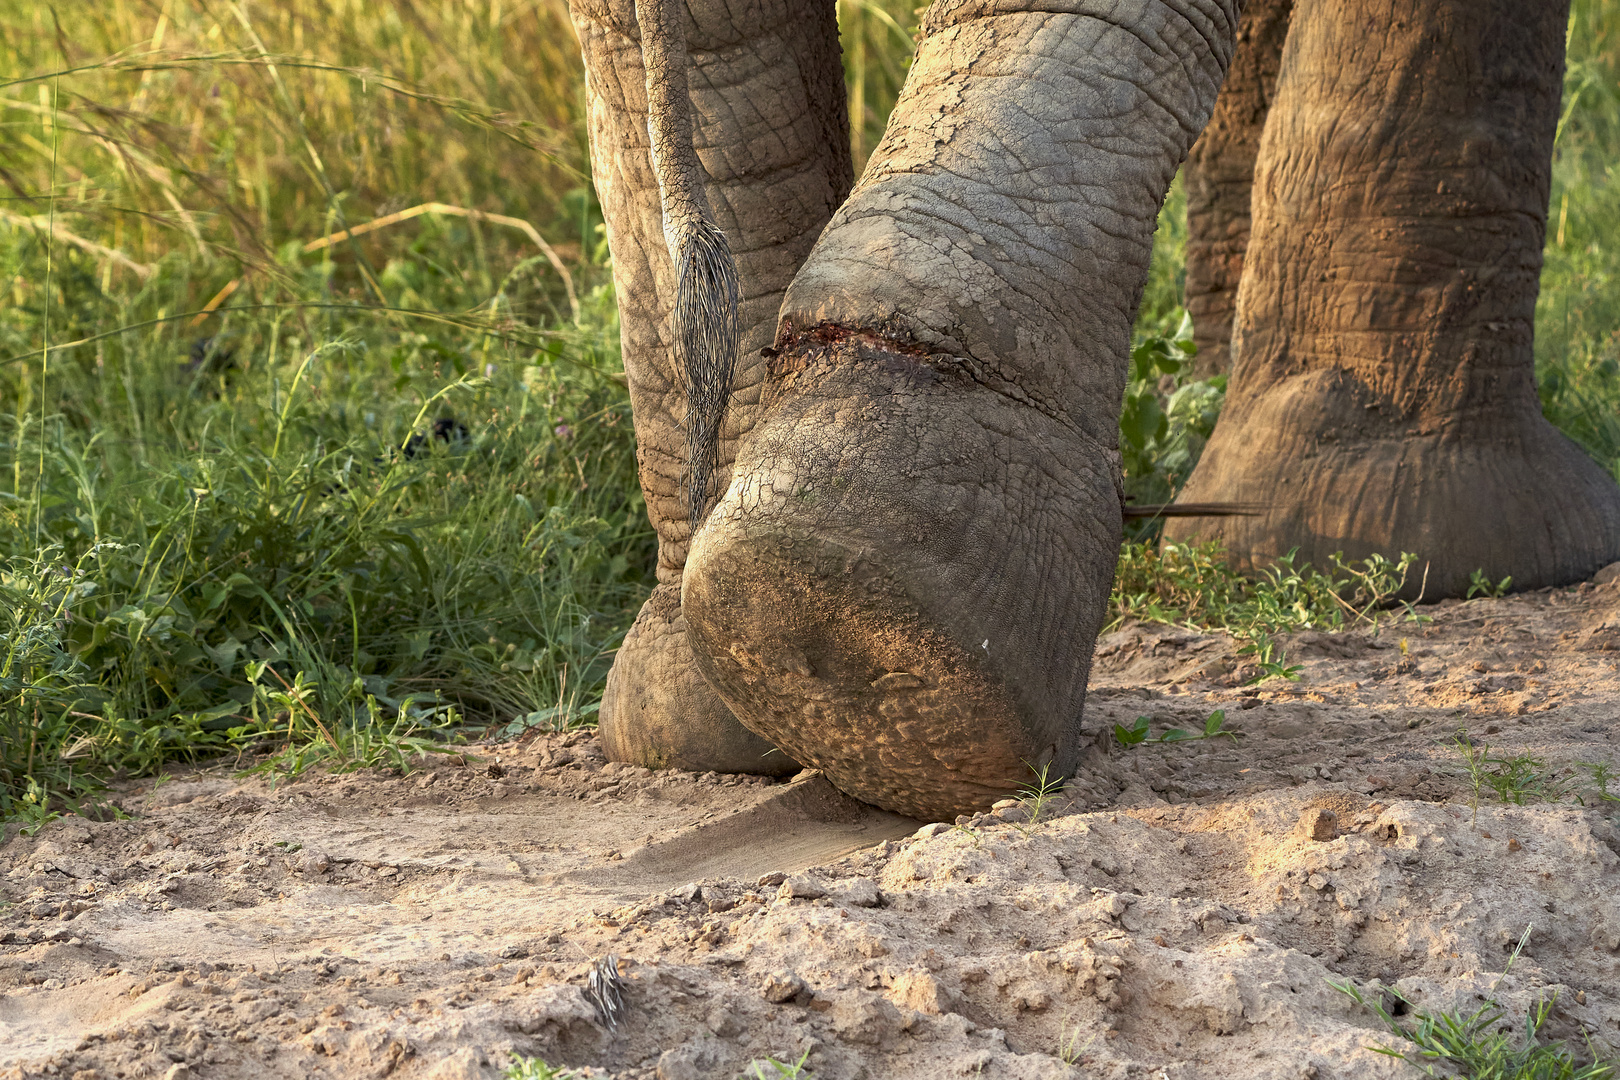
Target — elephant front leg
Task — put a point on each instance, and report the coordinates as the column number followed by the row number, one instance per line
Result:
column 903, row 582
column 772, row 134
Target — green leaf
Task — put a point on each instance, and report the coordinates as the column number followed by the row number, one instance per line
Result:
column 1130, row 736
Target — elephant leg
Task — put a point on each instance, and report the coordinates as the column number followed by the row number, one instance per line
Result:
column 772, row 133
column 1383, row 395
column 1219, row 176
column 904, row 580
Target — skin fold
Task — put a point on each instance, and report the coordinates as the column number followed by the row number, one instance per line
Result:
column 1383, row 394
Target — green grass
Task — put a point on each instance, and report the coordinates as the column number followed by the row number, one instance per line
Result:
column 212, row 540
column 1192, row 585
column 1578, row 316
column 252, row 553
column 778, row 1070
column 1479, row 1045
column 522, row 1068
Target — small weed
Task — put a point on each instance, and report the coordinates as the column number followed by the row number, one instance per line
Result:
column 1214, row 728
column 1602, row 773
column 1474, row 758
column 528, row 1068
column 1269, row 657
column 1190, row 585
column 1039, row 794
column 971, row 833
column 1130, row 736
column 779, row 1070
column 1480, row 585
column 1072, row 1042
column 33, row 809
column 1525, row 778
column 1478, row 1045
column 1521, row 779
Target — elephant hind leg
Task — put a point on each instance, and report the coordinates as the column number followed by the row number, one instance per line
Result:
column 659, row 713
column 766, row 84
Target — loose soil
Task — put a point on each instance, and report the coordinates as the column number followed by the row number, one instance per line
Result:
column 1181, row 911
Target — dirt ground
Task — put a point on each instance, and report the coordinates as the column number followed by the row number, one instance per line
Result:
column 1179, row 913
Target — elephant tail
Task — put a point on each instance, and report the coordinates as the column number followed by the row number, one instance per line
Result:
column 704, row 324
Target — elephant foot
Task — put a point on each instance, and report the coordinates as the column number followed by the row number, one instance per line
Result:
column 894, row 590
column 658, row 712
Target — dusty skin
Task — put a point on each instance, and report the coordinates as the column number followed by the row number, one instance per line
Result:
column 1179, row 915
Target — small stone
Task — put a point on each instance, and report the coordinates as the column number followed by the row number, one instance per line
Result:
column 723, row 1022
column 862, row 892
column 1319, row 823
column 1607, row 574
column 781, row 986
column 1012, row 815
column 696, row 1060
column 921, row 992
column 932, row 830
column 771, row 880
column 1005, row 804
column 315, row 862
column 181, row 1071
column 975, row 1064
column 801, row 887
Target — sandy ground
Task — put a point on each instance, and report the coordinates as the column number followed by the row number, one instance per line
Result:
column 1178, row 913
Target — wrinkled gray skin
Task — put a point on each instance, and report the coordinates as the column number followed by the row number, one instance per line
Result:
column 903, row 579
column 778, row 166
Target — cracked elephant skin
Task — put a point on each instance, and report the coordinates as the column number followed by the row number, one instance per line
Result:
column 903, row 578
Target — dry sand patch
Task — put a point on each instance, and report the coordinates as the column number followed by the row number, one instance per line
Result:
column 1178, row 915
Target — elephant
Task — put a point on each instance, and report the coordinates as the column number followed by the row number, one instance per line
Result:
column 887, row 551
column 1219, row 176
column 1382, row 392
column 916, row 495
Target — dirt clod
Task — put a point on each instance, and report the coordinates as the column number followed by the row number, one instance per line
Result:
column 1320, row 824
column 781, row 986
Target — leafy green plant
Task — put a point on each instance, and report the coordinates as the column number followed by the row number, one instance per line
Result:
column 1602, row 774
column 1214, row 728
column 1167, row 416
column 1478, row 1045
column 780, row 1070
column 533, row 1068
column 1520, row 779
column 1480, row 585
